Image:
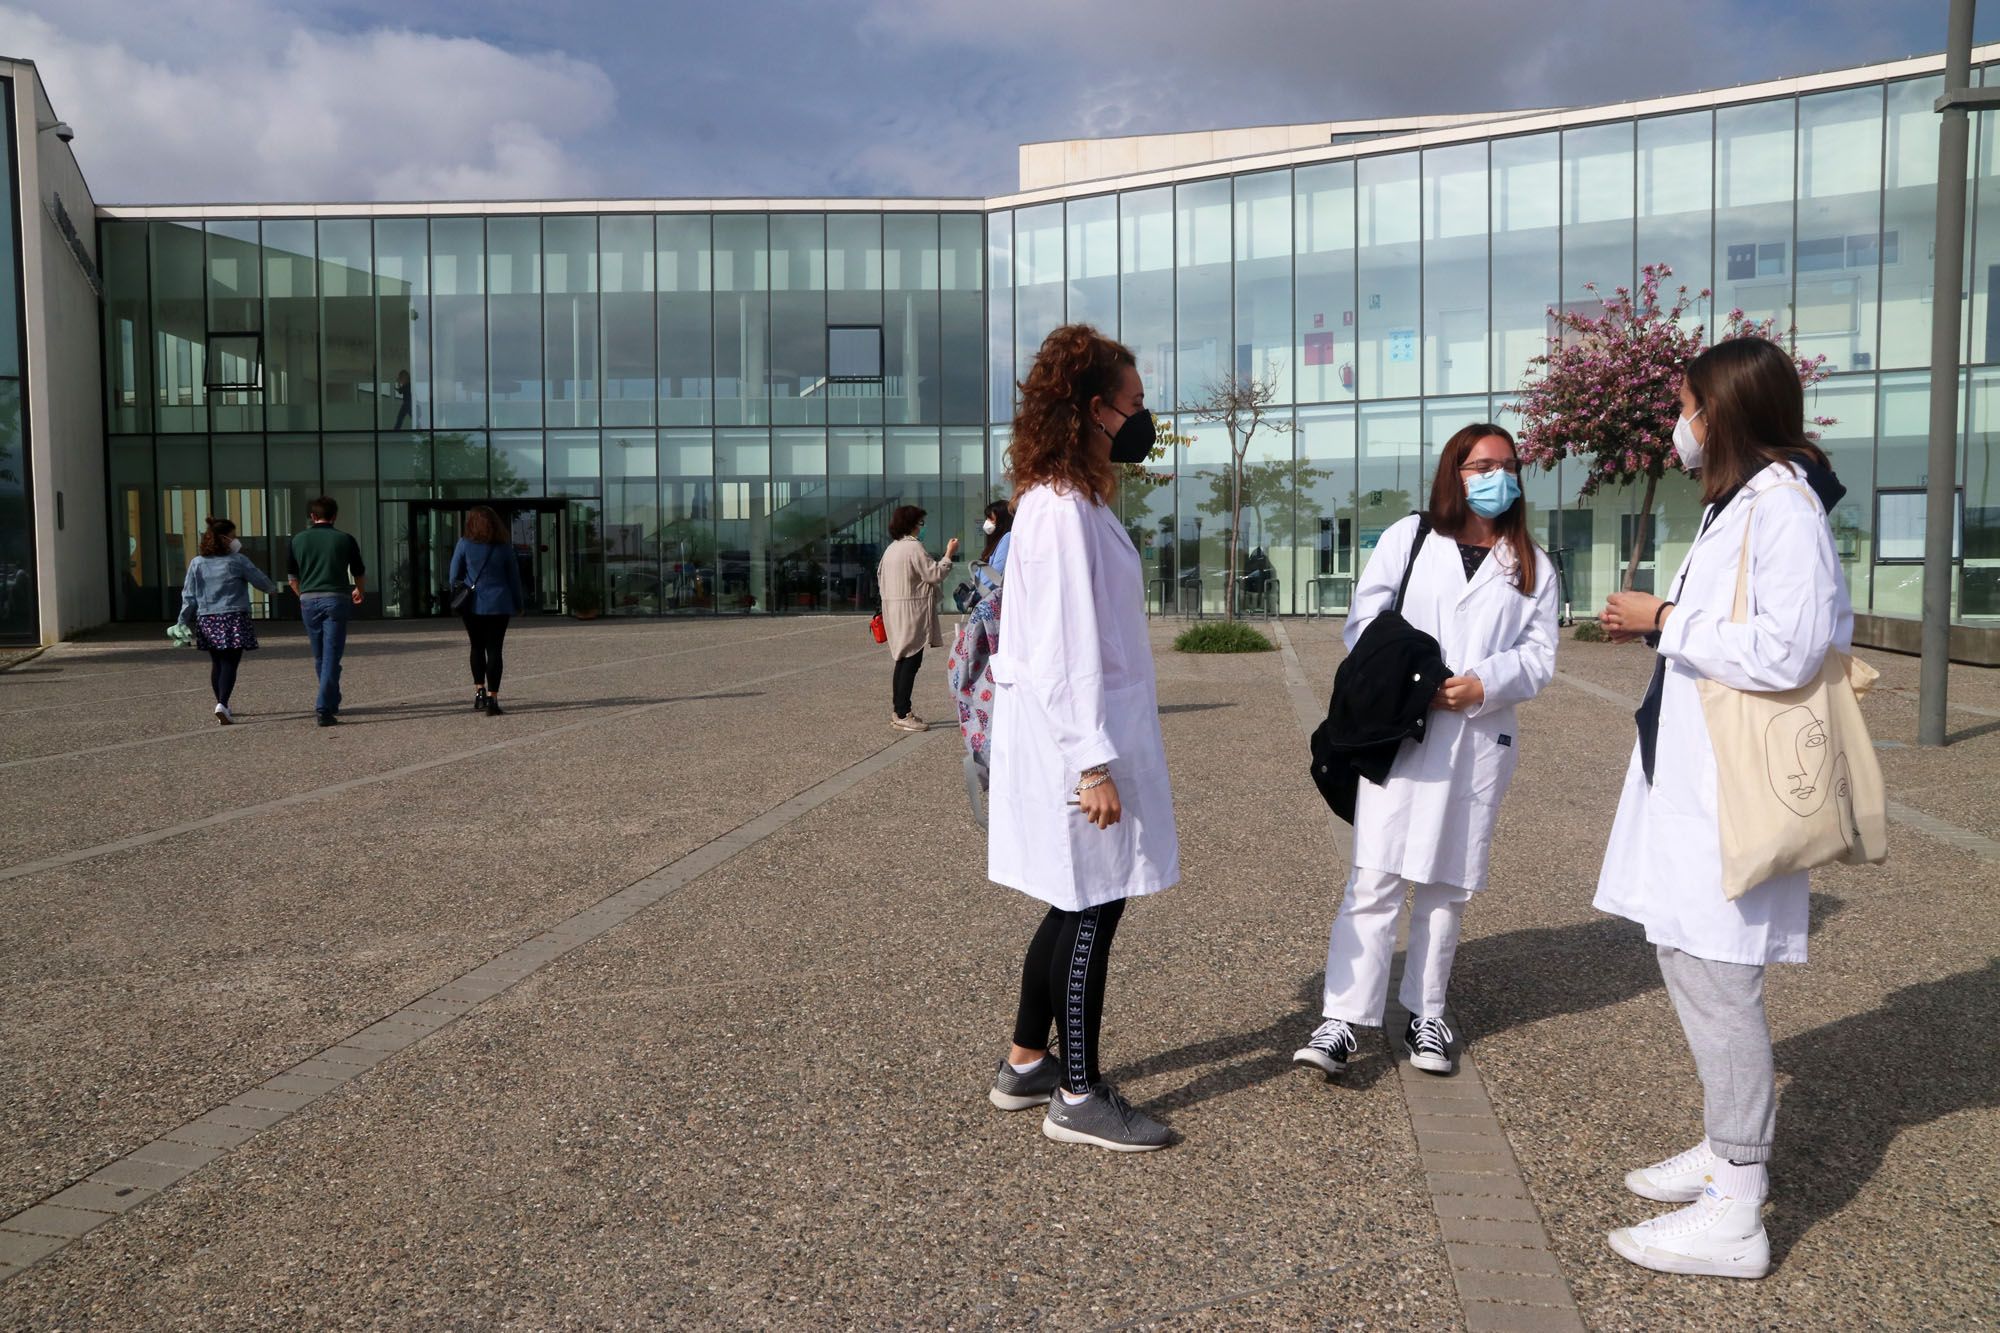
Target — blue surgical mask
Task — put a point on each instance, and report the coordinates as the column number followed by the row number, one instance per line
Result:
column 1492, row 494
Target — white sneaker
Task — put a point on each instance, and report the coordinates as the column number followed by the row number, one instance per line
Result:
column 223, row 715
column 910, row 723
column 1679, row 1179
column 1715, row 1236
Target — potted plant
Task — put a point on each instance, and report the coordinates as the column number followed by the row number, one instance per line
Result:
column 586, row 595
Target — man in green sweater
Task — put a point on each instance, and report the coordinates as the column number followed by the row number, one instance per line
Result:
column 322, row 559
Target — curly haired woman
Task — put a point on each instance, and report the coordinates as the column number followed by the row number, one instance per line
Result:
column 1081, row 815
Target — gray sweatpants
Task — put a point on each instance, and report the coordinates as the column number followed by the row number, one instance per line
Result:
column 1721, row 1008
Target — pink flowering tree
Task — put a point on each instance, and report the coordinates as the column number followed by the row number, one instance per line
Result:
column 1607, row 392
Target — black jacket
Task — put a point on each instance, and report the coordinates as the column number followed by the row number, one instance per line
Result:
column 1381, row 697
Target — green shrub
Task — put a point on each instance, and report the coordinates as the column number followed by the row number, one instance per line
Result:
column 1222, row 636
column 1589, row 631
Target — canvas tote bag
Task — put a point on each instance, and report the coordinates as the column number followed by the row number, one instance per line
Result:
column 1796, row 781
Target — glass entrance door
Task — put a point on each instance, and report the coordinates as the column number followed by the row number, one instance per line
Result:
column 540, row 533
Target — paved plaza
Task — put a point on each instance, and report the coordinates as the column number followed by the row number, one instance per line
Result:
column 297, row 1034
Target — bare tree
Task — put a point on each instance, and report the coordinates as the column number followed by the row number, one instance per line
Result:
column 1242, row 405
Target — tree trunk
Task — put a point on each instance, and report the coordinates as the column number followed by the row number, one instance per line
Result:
column 1235, row 523
column 1639, row 533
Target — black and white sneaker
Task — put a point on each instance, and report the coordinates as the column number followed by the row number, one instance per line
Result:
column 1329, row 1047
column 1427, row 1041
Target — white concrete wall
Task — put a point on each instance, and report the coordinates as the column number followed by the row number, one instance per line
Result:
column 62, row 359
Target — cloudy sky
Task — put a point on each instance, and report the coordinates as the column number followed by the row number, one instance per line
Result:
column 228, row 100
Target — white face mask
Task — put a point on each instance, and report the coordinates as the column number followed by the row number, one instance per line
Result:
column 1685, row 444
column 988, row 527
column 234, row 546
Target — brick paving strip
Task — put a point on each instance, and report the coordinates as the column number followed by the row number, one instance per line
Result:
column 1499, row 1255
column 1950, row 834
column 70, row 1214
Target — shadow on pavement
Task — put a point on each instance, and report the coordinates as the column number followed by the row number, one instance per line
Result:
column 1931, row 1050
column 1167, row 709
column 382, row 713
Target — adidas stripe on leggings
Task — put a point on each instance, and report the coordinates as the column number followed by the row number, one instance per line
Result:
column 1062, row 986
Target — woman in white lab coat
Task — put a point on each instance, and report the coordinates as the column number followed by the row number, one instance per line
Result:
column 1080, row 814
column 1743, row 428
column 1488, row 594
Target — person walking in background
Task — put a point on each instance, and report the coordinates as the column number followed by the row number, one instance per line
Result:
column 483, row 564
column 1081, row 815
column 1479, row 585
column 909, row 580
column 991, row 567
column 1742, row 428
column 215, row 604
column 322, row 560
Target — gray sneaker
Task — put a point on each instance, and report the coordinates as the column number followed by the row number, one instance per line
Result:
column 1023, row 1092
column 1104, row 1120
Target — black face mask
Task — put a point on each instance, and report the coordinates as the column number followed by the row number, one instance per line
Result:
column 1135, row 439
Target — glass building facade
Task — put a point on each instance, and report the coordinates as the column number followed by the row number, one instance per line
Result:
column 18, row 612
column 713, row 412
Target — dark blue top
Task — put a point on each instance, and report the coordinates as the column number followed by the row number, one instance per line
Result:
column 495, row 576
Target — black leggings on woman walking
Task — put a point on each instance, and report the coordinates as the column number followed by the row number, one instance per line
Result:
column 1062, row 982
column 487, row 633
column 905, row 681
column 222, row 664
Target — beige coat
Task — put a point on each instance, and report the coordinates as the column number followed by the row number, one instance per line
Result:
column 909, row 580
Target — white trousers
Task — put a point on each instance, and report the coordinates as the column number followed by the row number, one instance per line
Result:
column 1364, row 941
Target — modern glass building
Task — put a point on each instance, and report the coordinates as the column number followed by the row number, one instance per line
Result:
column 709, row 407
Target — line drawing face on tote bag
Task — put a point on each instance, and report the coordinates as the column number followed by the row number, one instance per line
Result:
column 1796, row 759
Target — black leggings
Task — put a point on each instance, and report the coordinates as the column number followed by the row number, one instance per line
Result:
column 487, row 633
column 222, row 664
column 905, row 681
column 1063, row 978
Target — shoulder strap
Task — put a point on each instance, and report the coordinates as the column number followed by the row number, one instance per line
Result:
column 1740, row 607
column 1409, row 567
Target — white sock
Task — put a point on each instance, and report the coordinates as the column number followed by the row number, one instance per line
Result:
column 1073, row 1099
column 1745, row 1180
column 1032, row 1064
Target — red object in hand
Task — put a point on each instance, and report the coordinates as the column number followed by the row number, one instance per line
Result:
column 878, row 629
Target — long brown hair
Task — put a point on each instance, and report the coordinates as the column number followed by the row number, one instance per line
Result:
column 1450, row 511
column 483, row 525
column 1075, row 365
column 215, row 541
column 1750, row 398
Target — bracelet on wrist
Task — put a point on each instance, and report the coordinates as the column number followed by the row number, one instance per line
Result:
column 1660, row 616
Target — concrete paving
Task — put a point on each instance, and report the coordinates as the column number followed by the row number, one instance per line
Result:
column 759, row 1101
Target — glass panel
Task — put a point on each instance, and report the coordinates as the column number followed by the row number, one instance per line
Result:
column 235, row 305
column 350, row 480
column 1753, row 218
column 574, row 467
column 743, row 512
column 20, row 617
column 631, row 516
column 1323, row 568
column 1902, row 472
column 1201, row 291
column 139, row 594
column 1527, row 253
column 962, row 490
column 910, row 469
column 128, row 364
column 1263, row 234
column 858, row 517
column 1676, row 196
column 1597, row 213
column 180, row 332
column 184, row 503
column 1909, row 222
column 1979, row 580
column 687, row 348
column 403, row 474
column 462, row 459
column 569, row 320
column 798, row 318
column 1455, row 239
column 403, row 320
column 961, row 312
column 625, row 275
column 1038, row 279
column 1390, row 479
column 458, row 305
column 1983, row 263
column 1000, row 317
column 1324, row 228
column 910, row 384
column 854, row 297
column 742, row 318
column 239, row 494
column 516, row 466
column 687, row 521
column 295, row 481
column 798, row 520
column 1839, row 215
column 514, row 319
column 1850, row 447
column 1389, row 276
column 1146, row 288
column 347, row 325
column 1092, row 226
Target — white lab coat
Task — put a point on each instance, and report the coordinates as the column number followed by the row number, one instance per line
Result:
column 1074, row 689
column 1663, row 865
column 1432, row 823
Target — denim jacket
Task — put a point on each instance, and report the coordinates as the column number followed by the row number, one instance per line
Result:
column 216, row 584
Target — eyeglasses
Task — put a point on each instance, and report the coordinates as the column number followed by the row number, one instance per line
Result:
column 1486, row 466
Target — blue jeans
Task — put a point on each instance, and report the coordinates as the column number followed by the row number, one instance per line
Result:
column 326, row 630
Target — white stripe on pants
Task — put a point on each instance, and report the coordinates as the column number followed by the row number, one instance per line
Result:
column 1363, row 942
column 1721, row 1008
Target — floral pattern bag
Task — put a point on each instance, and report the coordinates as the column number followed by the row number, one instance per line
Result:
column 967, row 671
